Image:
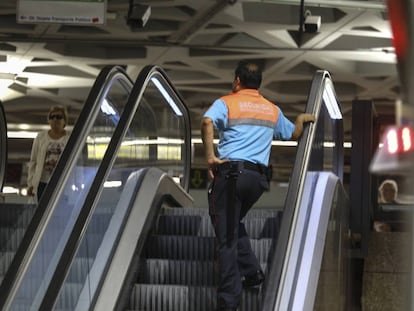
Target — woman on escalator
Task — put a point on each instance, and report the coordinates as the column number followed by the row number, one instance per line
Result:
column 46, row 150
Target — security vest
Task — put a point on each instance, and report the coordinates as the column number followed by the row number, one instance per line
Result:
column 248, row 107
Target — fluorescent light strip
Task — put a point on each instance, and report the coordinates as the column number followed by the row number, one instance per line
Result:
column 107, row 108
column 167, row 96
column 158, row 141
column 331, row 102
column 113, row 184
column 10, row 190
column 32, row 127
column 100, row 140
column 287, row 143
column 21, row 134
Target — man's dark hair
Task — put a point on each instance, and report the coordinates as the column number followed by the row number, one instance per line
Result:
column 249, row 73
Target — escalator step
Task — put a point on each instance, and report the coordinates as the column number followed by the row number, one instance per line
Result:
column 183, row 298
column 12, row 215
column 258, row 227
column 179, row 272
column 194, row 211
column 99, row 223
column 195, row 248
column 180, row 247
column 68, row 296
column 11, row 238
column 79, row 269
column 90, row 245
column 5, row 261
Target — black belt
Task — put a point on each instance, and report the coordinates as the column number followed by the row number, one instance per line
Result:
column 240, row 165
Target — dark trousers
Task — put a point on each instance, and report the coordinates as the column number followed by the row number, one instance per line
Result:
column 235, row 256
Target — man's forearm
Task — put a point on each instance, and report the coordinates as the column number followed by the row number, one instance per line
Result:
column 207, row 135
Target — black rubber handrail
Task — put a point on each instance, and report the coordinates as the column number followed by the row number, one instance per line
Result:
column 295, row 189
column 3, row 146
column 92, row 198
column 64, row 166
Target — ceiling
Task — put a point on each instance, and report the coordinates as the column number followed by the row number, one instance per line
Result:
column 199, row 43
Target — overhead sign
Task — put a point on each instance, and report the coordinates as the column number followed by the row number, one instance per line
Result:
column 80, row 12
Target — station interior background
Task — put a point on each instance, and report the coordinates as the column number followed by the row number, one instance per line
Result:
column 198, row 44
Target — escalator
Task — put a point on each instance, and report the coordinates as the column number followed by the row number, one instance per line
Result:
column 3, row 146
column 21, row 224
column 139, row 243
column 173, row 269
column 319, row 150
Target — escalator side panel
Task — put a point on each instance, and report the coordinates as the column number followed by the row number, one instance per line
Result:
column 317, row 249
column 314, row 243
column 313, row 154
column 105, row 246
column 3, row 147
column 59, row 194
column 154, row 130
column 145, row 208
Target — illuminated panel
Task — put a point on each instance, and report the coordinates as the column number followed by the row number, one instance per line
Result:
column 392, row 141
column 166, row 152
column 406, row 137
column 399, row 140
column 330, row 101
column 167, row 96
column 137, row 151
column 396, row 155
column 97, row 152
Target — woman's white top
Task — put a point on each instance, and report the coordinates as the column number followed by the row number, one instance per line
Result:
column 44, row 157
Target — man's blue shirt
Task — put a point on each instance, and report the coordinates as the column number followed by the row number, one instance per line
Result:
column 246, row 142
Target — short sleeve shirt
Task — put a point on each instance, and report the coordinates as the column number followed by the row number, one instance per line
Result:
column 246, row 142
column 54, row 150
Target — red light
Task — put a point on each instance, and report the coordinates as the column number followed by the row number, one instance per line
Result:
column 397, row 153
column 399, row 140
column 397, row 12
column 406, row 139
column 392, row 141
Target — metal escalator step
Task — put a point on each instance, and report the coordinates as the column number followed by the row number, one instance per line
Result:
column 195, row 248
column 68, row 296
column 260, row 227
column 149, row 297
column 263, row 248
column 184, row 225
column 12, row 215
column 180, row 247
column 179, row 272
column 254, row 212
column 79, row 269
column 159, row 298
column 12, row 239
column 5, row 261
column 99, row 223
column 26, row 217
column 256, row 227
column 90, row 245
